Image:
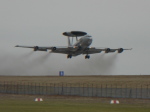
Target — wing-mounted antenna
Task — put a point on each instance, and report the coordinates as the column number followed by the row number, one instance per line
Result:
column 73, row 34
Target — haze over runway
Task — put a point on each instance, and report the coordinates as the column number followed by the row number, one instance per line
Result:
column 112, row 24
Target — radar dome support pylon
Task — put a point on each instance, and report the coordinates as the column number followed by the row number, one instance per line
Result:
column 73, row 34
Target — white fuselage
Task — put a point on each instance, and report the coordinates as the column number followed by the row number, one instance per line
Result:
column 83, row 43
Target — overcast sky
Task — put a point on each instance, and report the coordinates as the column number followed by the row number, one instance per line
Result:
column 112, row 23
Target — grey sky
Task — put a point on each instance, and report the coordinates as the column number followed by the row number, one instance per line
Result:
column 112, row 23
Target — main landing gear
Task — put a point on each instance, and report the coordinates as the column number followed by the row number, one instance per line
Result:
column 87, row 56
column 69, row 56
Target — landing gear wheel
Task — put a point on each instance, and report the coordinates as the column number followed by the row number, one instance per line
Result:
column 69, row 56
column 87, row 57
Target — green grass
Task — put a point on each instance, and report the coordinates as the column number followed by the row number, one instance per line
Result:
column 65, row 105
column 26, row 103
column 119, row 80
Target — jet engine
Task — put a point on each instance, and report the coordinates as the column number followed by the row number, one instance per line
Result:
column 120, row 50
column 54, row 48
column 36, row 48
column 107, row 50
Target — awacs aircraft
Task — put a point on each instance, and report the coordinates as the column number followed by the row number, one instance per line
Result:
column 81, row 46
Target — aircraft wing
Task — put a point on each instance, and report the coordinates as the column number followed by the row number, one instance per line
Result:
column 106, row 50
column 55, row 49
column 73, row 50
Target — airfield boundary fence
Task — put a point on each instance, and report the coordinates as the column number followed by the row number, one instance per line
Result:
column 78, row 89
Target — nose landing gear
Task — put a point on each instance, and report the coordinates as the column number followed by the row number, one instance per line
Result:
column 69, row 56
column 87, row 56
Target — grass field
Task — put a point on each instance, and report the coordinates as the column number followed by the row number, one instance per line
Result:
column 19, row 103
column 134, row 79
column 26, row 103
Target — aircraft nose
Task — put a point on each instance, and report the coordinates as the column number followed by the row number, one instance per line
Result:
column 90, row 38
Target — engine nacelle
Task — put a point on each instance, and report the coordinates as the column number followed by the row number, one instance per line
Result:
column 107, row 50
column 35, row 48
column 120, row 50
column 54, row 48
